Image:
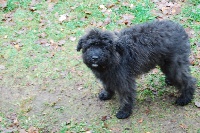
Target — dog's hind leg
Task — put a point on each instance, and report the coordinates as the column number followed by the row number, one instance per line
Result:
column 185, row 83
column 165, row 68
column 178, row 72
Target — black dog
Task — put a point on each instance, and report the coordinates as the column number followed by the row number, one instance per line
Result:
column 118, row 58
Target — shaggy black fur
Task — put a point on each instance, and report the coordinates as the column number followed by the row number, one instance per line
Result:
column 118, row 58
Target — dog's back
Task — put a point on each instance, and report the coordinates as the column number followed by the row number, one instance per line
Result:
column 149, row 44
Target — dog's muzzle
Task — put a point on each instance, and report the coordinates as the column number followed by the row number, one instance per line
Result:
column 94, row 60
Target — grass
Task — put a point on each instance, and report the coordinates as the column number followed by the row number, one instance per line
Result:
column 32, row 54
column 83, row 127
column 13, row 4
column 45, row 80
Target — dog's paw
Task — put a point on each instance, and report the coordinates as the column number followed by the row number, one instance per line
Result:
column 104, row 95
column 123, row 114
column 182, row 101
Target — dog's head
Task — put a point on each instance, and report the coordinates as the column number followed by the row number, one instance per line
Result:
column 98, row 49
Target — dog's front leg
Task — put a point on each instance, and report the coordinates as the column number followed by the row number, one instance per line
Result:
column 127, row 96
column 107, row 93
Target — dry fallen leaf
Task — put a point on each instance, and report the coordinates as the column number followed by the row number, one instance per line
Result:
column 132, row 6
column 88, row 132
column 22, row 131
column 102, row 6
column 17, row 47
column 16, row 122
column 190, row 32
column 99, row 24
column 54, row 1
column 33, row 130
column 103, row 118
column 115, row 130
column 165, row 10
column 176, row 10
column 61, row 42
column 107, row 21
column 74, row 7
column 141, row 120
column 3, row 3
column 88, row 12
column 42, row 41
column 126, row 4
column 72, row 38
column 147, row 111
column 110, row 5
column 51, row 6
column 126, row 19
column 2, row 67
column 183, row 126
column 108, row 12
column 32, row 8
column 197, row 104
column 42, row 35
column 5, row 37
column 63, row 17
column 80, row 88
column 192, row 59
column 198, row 57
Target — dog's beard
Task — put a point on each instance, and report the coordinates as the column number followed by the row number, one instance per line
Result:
column 95, row 65
column 101, row 63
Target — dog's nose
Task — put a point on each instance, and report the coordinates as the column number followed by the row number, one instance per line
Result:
column 94, row 58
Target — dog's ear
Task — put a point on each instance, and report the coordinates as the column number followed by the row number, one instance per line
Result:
column 80, row 44
column 83, row 40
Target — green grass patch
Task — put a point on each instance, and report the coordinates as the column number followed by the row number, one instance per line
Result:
column 13, row 4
